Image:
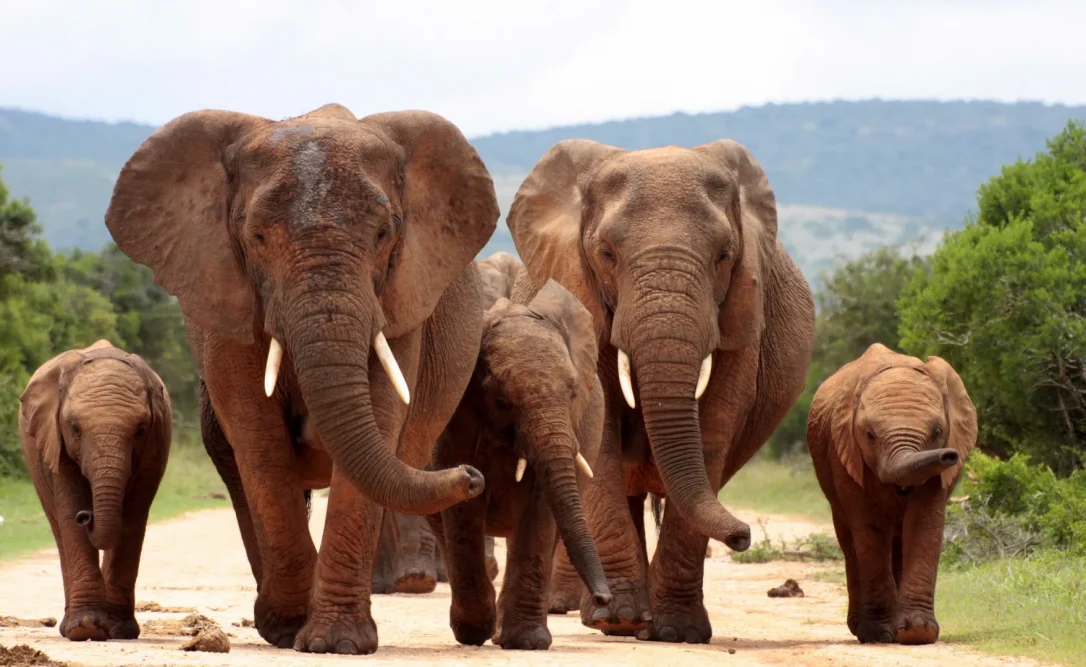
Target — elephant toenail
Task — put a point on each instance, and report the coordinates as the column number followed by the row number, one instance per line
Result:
column 644, row 635
column 626, row 614
column 346, row 647
column 600, row 615
column 669, row 634
column 318, row 646
column 692, row 636
column 646, row 616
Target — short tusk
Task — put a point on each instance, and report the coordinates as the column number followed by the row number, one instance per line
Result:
column 384, row 354
column 624, row 379
column 271, row 372
column 703, row 376
column 583, row 465
column 522, row 464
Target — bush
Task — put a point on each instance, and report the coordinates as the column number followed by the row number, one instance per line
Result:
column 1014, row 507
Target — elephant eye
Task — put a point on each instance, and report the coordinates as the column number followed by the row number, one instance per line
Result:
column 870, row 435
column 722, row 256
column 936, row 432
column 608, row 255
column 259, row 237
column 140, row 430
column 382, row 233
column 74, row 425
column 501, row 403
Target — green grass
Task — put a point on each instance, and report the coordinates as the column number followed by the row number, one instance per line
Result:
column 188, row 484
column 1033, row 606
column 779, row 488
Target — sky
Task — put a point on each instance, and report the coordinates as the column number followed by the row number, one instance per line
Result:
column 493, row 66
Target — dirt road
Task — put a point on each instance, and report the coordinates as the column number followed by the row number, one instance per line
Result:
column 197, row 561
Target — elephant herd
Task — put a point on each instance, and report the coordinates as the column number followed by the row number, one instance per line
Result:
column 346, row 337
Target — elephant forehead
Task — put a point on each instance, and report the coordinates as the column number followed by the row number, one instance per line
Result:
column 524, row 353
column 106, row 381
column 899, row 388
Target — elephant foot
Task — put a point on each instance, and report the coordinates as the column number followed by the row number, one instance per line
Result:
column 278, row 628
column 687, row 623
column 870, row 631
column 98, row 624
column 352, row 633
column 563, row 603
column 916, row 627
column 628, row 613
column 472, row 627
column 416, row 582
column 524, row 637
column 382, row 583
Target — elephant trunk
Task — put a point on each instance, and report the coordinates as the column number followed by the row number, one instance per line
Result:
column 330, row 344
column 552, row 446
column 906, row 466
column 108, row 475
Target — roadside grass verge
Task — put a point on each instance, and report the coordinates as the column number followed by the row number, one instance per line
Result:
column 787, row 487
column 190, row 483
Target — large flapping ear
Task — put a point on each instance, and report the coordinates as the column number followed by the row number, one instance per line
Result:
column 39, row 407
column 169, row 212
column 498, row 273
column 450, row 210
column 961, row 414
column 558, row 306
column 833, row 410
column 159, row 399
column 742, row 315
column 546, row 222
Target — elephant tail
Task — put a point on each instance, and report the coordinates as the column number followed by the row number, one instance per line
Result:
column 657, row 510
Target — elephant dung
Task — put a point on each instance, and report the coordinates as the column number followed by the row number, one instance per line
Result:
column 22, row 654
column 13, row 622
column 790, row 589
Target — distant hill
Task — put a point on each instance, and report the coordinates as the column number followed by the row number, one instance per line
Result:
column 848, row 175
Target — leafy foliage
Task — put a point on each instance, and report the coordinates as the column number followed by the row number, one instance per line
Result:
column 55, row 302
column 1005, row 304
column 856, row 306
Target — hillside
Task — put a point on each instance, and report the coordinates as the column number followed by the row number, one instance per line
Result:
column 848, row 175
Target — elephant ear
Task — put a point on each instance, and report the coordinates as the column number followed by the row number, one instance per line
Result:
column 558, row 306
column 159, row 399
column 742, row 315
column 39, row 407
column 546, row 218
column 961, row 415
column 169, row 212
column 450, row 211
column 498, row 272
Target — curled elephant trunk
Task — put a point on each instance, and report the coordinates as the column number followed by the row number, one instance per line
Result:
column 331, row 362
column 557, row 473
column 108, row 476
column 667, row 387
column 913, row 468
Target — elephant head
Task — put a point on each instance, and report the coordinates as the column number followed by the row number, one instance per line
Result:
column 537, row 364
column 320, row 237
column 670, row 249
column 906, row 420
column 101, row 409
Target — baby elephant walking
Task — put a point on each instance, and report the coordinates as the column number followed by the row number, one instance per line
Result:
column 96, row 427
column 531, row 421
column 889, row 435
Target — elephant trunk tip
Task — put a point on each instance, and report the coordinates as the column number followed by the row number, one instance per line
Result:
column 739, row 540
column 602, row 598
column 949, row 458
column 84, row 518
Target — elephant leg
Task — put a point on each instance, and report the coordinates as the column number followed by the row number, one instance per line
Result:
column 852, row 572
column 383, row 581
column 472, row 614
column 86, row 613
column 567, row 589
column 622, row 555
column 921, row 543
column 677, row 572
column 339, row 614
column 872, row 540
column 522, row 604
column 272, row 487
column 222, row 455
column 416, row 571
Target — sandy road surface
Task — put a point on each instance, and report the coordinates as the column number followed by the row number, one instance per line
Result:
column 197, row 561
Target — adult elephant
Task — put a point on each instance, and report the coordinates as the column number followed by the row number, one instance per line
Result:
column 705, row 330
column 319, row 261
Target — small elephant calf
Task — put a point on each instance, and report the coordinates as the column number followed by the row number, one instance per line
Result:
column 96, row 426
column 530, row 420
column 889, row 435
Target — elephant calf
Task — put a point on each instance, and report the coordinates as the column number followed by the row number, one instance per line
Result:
column 96, row 427
column 530, row 417
column 889, row 435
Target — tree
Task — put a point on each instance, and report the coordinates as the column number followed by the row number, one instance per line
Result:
column 1005, row 305
column 856, row 306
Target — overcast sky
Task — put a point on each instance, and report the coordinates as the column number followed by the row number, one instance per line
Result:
column 509, row 64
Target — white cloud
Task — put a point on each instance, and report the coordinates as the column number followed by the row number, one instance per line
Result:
column 502, row 65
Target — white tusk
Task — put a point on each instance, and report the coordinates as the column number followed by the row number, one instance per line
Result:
column 522, row 464
column 703, row 376
column 624, row 379
column 271, row 372
column 384, row 354
column 583, row 465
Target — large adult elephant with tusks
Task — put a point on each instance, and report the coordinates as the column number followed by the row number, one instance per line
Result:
column 705, row 330
column 321, row 262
